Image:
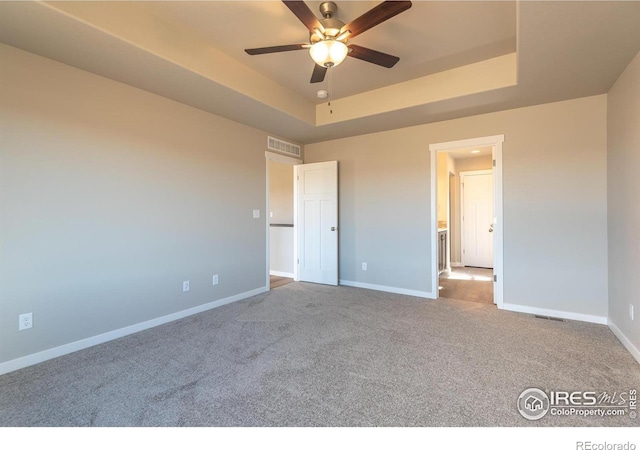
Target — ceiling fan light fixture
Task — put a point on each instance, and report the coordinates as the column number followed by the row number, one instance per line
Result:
column 328, row 53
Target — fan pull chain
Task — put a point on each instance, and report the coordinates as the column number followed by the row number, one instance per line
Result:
column 330, row 89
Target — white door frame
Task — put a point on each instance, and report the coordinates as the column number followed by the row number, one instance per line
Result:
column 496, row 143
column 269, row 156
column 460, row 184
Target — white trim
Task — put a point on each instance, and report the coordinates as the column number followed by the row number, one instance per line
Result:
column 457, row 264
column 267, row 218
column 602, row 320
column 475, row 142
column 496, row 142
column 476, row 172
column 269, row 156
column 295, row 224
column 35, row 358
column 394, row 290
column 498, row 228
column 624, row 340
column 277, row 273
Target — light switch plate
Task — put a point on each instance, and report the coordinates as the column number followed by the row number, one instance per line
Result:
column 256, row 213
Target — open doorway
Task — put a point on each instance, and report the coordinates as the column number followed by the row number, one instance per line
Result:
column 470, row 227
column 467, row 219
column 280, row 220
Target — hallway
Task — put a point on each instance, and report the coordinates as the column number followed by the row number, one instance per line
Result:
column 471, row 284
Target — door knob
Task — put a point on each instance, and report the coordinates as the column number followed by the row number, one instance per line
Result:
column 491, row 229
column 333, row 228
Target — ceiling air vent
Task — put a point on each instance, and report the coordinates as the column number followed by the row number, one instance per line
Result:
column 283, row 146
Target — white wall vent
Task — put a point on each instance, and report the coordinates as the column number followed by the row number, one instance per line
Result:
column 283, row 146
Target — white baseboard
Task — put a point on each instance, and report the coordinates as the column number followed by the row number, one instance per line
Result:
column 65, row 349
column 394, row 290
column 602, row 320
column 456, row 264
column 625, row 341
column 277, row 273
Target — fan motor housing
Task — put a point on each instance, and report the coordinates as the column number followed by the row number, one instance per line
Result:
column 331, row 29
column 331, row 26
column 328, row 9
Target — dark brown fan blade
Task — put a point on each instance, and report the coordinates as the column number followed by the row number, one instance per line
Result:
column 372, row 56
column 276, row 49
column 384, row 11
column 304, row 14
column 318, row 73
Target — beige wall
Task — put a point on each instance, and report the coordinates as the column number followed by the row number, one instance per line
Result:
column 462, row 165
column 555, row 219
column 110, row 198
column 623, row 162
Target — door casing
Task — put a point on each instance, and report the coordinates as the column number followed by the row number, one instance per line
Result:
column 270, row 156
column 495, row 142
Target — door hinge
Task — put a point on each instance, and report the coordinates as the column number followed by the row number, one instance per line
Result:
column 298, row 261
column 463, row 251
column 494, row 163
column 495, row 278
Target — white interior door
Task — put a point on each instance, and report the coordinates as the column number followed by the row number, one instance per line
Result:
column 477, row 218
column 317, row 222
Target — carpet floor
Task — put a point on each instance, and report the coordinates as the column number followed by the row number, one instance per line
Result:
column 314, row 355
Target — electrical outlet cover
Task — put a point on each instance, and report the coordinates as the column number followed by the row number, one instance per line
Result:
column 25, row 321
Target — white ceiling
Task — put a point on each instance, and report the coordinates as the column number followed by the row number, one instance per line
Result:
column 428, row 38
column 193, row 52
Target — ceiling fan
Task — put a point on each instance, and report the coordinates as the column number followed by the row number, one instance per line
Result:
column 329, row 37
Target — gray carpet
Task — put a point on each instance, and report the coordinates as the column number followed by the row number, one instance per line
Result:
column 312, row 355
